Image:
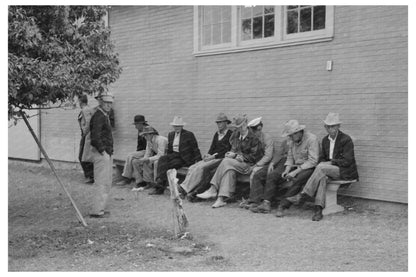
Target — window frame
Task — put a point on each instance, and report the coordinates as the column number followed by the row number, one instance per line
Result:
column 280, row 38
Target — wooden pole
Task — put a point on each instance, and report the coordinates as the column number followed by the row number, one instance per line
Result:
column 179, row 217
column 78, row 213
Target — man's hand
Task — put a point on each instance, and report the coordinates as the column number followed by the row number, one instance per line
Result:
column 230, row 155
column 287, row 170
column 270, row 168
column 208, row 157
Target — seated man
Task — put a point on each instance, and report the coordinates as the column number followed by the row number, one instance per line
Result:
column 198, row 176
column 303, row 155
column 337, row 161
column 130, row 171
column 182, row 151
column 156, row 147
column 245, row 152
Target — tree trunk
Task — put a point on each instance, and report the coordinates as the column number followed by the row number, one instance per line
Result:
column 179, row 217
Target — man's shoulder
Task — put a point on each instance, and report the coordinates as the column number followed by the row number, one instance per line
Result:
column 310, row 136
column 344, row 136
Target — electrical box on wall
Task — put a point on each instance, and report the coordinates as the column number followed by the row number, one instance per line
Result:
column 329, row 65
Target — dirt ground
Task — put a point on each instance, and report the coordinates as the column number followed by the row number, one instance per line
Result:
column 45, row 235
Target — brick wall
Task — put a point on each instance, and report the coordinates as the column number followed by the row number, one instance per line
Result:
column 367, row 86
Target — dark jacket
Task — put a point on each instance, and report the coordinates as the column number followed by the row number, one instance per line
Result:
column 141, row 143
column 343, row 155
column 250, row 148
column 220, row 146
column 101, row 136
column 188, row 147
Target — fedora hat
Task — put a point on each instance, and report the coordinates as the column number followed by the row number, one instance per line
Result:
column 148, row 130
column 254, row 122
column 332, row 119
column 291, row 127
column 177, row 121
column 222, row 117
column 239, row 120
column 105, row 96
column 139, row 119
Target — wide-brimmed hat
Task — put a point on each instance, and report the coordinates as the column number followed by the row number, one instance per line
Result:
column 148, row 130
column 177, row 121
column 254, row 122
column 291, row 127
column 238, row 121
column 222, row 117
column 332, row 119
column 139, row 119
column 105, row 96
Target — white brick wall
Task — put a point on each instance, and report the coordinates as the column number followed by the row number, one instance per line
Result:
column 367, row 86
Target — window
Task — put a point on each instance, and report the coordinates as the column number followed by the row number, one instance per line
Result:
column 221, row 29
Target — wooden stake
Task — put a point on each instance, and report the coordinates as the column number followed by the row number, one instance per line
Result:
column 78, row 213
column 179, row 217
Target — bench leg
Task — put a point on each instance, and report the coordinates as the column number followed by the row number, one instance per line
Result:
column 331, row 205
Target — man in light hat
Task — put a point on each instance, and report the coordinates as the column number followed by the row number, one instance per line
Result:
column 182, row 151
column 303, row 155
column 199, row 174
column 337, row 161
column 245, row 152
column 156, row 147
column 101, row 152
column 131, row 170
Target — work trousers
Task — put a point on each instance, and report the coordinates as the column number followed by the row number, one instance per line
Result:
column 131, row 168
column 199, row 175
column 87, row 167
column 316, row 185
column 103, row 169
column 167, row 162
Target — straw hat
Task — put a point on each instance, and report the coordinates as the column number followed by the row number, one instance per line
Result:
column 239, row 121
column 148, row 130
column 332, row 119
column 291, row 127
column 222, row 117
column 178, row 121
column 105, row 96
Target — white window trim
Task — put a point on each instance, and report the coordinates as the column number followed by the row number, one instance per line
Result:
column 278, row 40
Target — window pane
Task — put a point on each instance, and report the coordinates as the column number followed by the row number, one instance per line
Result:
column 216, row 33
column 207, row 15
column 216, row 14
column 319, row 17
column 246, row 29
column 257, row 10
column 245, row 12
column 258, row 27
column 226, row 13
column 292, row 22
column 269, row 26
column 206, row 35
column 268, row 9
column 305, row 19
column 226, row 32
column 292, row 7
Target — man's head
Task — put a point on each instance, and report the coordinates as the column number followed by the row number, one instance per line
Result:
column 83, row 101
column 240, row 123
column 256, row 125
column 177, row 124
column 139, row 122
column 332, row 124
column 148, row 133
column 222, row 122
column 105, row 100
column 293, row 130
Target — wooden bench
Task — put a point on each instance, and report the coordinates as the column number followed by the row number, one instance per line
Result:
column 331, row 205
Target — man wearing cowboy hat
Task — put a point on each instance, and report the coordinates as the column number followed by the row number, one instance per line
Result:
column 245, row 152
column 182, row 151
column 303, row 155
column 156, row 147
column 131, row 171
column 101, row 152
column 337, row 161
column 200, row 173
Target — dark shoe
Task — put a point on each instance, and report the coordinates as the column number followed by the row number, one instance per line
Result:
column 298, row 200
column 90, row 181
column 141, row 184
column 104, row 215
column 149, row 186
column 280, row 211
column 318, row 213
column 157, row 191
column 264, row 207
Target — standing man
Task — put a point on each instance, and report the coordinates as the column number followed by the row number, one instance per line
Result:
column 302, row 157
column 337, row 161
column 102, row 151
column 131, row 171
column 182, row 151
column 84, row 118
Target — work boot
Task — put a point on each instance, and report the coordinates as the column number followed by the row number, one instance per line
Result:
column 280, row 211
column 318, row 213
column 298, row 199
column 264, row 207
column 157, row 191
column 141, row 184
column 244, row 203
column 210, row 193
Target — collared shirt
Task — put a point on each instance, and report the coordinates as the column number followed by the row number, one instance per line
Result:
column 243, row 137
column 222, row 135
column 175, row 144
column 331, row 145
column 305, row 153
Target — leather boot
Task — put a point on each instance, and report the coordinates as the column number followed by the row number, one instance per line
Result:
column 318, row 213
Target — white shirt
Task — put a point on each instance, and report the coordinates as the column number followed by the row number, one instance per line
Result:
column 331, row 145
column 176, row 142
column 243, row 137
column 222, row 135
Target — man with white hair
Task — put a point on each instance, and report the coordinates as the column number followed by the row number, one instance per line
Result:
column 337, row 161
column 101, row 152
